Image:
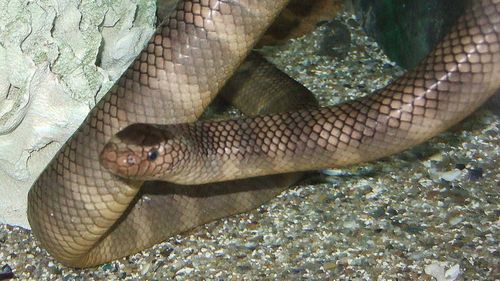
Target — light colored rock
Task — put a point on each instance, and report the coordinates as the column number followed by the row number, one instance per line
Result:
column 438, row 271
column 450, row 175
column 57, row 59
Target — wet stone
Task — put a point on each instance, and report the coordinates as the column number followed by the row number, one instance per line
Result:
column 336, row 40
column 6, row 272
column 475, row 174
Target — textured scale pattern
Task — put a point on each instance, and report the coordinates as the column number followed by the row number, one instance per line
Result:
column 84, row 215
column 281, row 92
column 81, row 213
column 457, row 77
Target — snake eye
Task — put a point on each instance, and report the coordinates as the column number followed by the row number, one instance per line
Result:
column 152, row 154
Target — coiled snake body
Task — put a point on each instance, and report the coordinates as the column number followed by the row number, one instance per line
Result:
column 85, row 215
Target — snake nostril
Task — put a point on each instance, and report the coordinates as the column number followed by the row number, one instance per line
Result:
column 131, row 160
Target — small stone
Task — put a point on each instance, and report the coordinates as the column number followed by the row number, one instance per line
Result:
column 145, row 269
column 454, row 220
column 297, row 270
column 30, row 268
column 166, row 252
column 450, row 175
column 250, row 246
column 438, row 157
column 412, row 229
column 435, row 270
column 54, row 269
column 378, row 213
column 330, row 265
column 475, row 174
column 351, row 224
column 6, row 272
column 3, row 237
column 185, row 271
column 452, row 273
column 364, row 189
column 392, row 212
column 107, row 266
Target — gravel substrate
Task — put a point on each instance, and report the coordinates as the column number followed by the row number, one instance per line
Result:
column 428, row 211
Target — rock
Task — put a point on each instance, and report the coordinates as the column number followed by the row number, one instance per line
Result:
column 405, row 29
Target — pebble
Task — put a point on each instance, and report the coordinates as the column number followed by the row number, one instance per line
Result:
column 450, row 175
column 6, row 273
column 475, row 174
column 437, row 270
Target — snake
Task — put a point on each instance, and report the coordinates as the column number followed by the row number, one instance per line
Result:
column 141, row 168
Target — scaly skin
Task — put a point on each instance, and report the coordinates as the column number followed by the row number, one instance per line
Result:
column 82, row 214
column 455, row 79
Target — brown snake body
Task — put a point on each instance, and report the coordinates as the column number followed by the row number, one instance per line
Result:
column 84, row 215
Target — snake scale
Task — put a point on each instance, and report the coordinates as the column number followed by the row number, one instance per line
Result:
column 84, row 215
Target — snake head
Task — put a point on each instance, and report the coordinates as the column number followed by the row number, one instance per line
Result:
column 142, row 152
